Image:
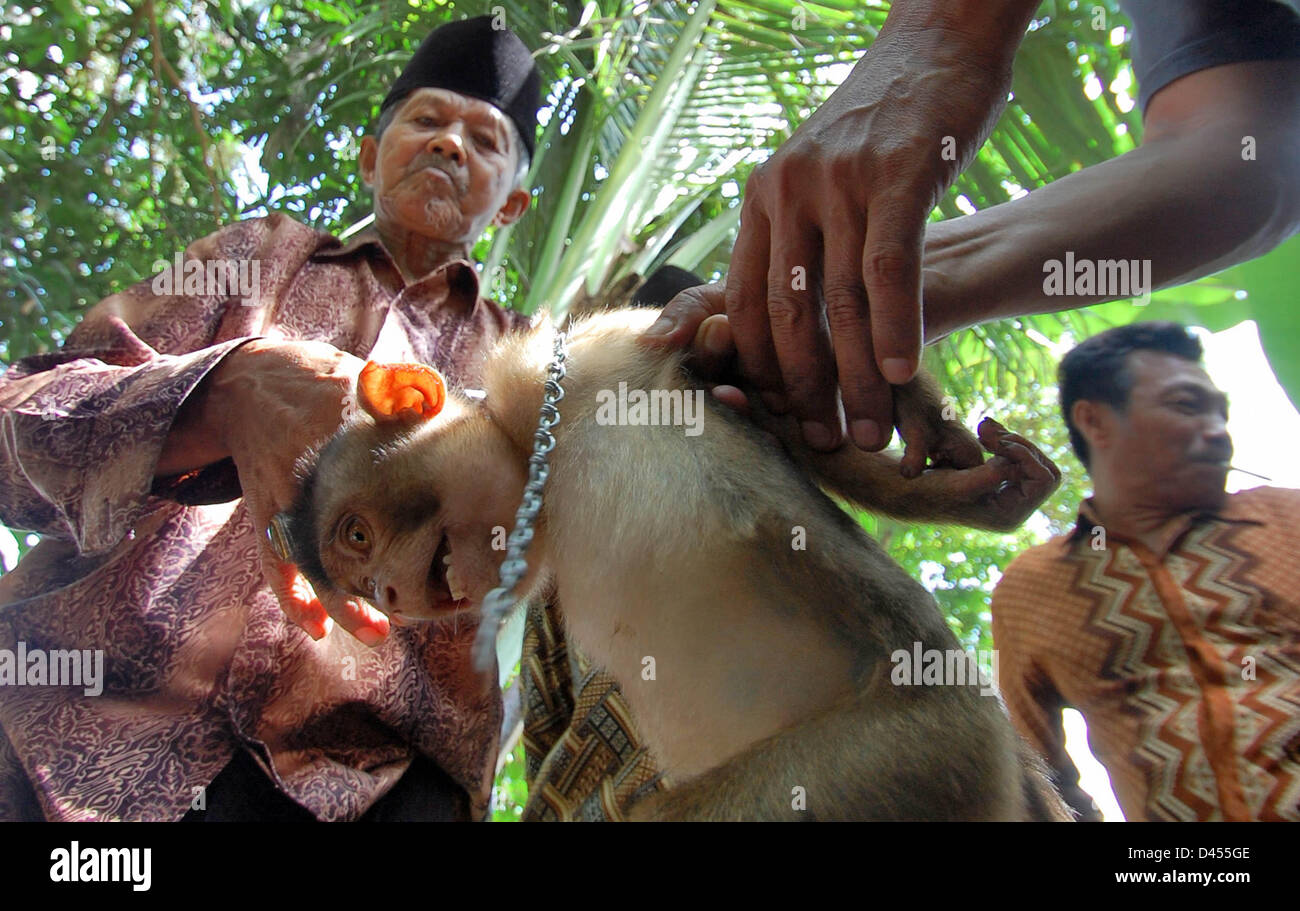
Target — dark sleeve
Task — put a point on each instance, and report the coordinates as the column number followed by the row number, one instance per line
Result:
column 1172, row 38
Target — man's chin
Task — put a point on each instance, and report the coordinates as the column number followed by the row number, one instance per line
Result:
column 1204, row 489
column 438, row 220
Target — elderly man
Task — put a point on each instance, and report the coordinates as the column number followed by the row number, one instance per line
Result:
column 128, row 448
column 1169, row 616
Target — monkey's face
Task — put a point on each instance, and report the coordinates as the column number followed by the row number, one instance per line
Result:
column 410, row 515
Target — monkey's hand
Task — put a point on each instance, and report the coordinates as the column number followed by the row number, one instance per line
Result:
column 1001, row 493
column 932, row 435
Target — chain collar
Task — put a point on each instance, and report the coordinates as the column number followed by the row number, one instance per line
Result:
column 498, row 603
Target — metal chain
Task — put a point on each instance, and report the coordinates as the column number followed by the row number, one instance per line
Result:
column 501, row 599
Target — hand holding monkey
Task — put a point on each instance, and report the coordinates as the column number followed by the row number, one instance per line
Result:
column 264, row 405
column 697, row 317
column 942, row 456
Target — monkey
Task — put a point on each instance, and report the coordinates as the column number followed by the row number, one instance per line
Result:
column 770, row 696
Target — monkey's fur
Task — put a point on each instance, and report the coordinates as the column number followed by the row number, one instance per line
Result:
column 771, row 663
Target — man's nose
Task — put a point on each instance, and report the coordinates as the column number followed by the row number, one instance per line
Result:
column 449, row 145
column 1217, row 434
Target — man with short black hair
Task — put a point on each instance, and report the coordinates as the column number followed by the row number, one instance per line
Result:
column 1169, row 616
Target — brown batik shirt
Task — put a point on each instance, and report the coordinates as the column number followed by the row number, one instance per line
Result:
column 1186, row 663
column 198, row 659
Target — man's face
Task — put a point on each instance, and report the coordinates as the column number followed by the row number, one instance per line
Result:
column 1171, row 441
column 444, row 168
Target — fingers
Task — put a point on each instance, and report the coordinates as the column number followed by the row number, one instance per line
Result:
column 291, row 591
column 713, row 352
column 301, row 604
column 358, row 618
column 868, row 400
column 733, row 397
column 1029, row 464
column 800, row 333
column 996, row 433
column 746, row 302
column 960, row 449
column 891, row 273
column 294, row 595
column 314, row 615
column 1036, row 474
column 680, row 321
column 915, row 452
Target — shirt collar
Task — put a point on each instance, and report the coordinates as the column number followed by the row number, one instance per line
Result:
column 460, row 276
column 1235, row 509
column 365, row 238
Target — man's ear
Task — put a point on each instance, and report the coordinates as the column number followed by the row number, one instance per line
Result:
column 516, row 205
column 401, row 392
column 369, row 155
column 1095, row 421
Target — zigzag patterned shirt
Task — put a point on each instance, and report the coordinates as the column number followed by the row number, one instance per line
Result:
column 1185, row 663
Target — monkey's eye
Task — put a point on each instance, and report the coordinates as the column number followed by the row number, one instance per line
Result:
column 356, row 534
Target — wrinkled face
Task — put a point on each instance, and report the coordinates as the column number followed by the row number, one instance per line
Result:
column 444, row 168
column 407, row 516
column 1172, row 438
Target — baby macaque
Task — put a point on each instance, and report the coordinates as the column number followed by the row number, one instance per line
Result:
column 749, row 621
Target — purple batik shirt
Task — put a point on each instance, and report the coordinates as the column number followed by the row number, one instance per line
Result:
column 164, row 578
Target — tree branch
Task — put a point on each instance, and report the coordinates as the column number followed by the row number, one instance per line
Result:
column 218, row 205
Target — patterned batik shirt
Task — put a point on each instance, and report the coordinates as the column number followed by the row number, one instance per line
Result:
column 1185, row 663
column 163, row 577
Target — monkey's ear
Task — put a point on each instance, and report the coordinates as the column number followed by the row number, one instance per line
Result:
column 401, row 392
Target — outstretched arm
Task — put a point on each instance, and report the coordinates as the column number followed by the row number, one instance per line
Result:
column 846, row 199
column 1215, row 182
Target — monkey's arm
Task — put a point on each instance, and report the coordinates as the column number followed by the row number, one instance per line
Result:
column 997, row 495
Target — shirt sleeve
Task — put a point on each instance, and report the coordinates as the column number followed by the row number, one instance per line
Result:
column 82, row 429
column 1031, row 697
column 1172, row 38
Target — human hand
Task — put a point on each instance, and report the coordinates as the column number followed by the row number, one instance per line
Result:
column 824, row 288
column 268, row 402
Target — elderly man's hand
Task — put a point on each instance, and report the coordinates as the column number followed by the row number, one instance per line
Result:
column 268, row 402
column 824, row 288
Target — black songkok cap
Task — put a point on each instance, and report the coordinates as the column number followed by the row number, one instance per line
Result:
column 472, row 58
